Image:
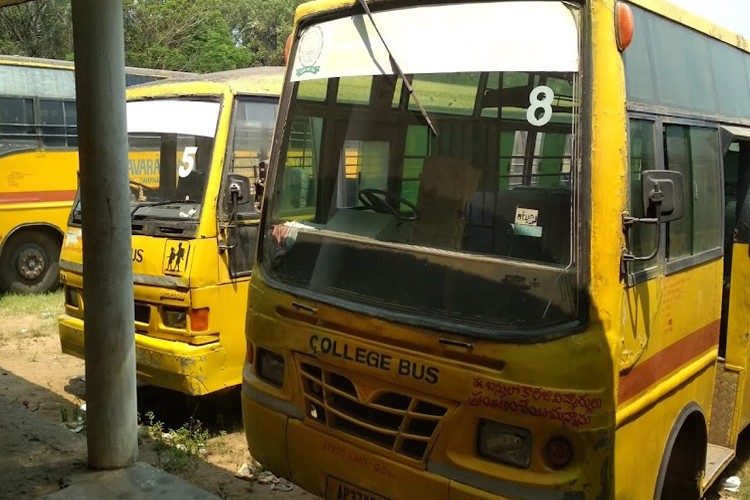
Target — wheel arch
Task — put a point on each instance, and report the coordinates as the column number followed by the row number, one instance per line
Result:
column 44, row 227
column 692, row 420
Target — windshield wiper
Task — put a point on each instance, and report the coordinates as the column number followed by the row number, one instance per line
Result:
column 407, row 83
column 158, row 204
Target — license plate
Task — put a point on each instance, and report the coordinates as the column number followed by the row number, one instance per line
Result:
column 336, row 489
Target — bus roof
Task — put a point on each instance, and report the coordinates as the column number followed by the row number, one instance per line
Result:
column 264, row 80
column 38, row 62
column 660, row 7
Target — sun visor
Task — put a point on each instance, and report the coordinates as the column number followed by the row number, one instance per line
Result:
column 731, row 133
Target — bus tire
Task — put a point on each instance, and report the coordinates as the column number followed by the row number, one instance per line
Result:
column 29, row 262
column 683, row 462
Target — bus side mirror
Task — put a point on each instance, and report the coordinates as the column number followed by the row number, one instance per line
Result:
column 238, row 190
column 662, row 194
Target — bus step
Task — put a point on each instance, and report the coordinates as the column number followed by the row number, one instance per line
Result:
column 717, row 458
column 720, row 429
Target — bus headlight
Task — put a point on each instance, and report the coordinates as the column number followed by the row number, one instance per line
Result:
column 174, row 317
column 504, row 443
column 270, row 367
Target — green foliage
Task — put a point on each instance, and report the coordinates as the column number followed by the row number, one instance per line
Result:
column 184, row 35
column 262, row 26
column 42, row 28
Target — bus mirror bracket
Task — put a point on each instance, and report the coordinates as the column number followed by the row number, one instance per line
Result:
column 662, row 202
column 238, row 193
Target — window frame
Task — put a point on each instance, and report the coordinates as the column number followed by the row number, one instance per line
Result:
column 665, row 266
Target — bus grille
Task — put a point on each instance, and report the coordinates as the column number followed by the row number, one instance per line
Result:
column 401, row 423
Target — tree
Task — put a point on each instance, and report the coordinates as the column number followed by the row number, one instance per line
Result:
column 183, row 35
column 262, row 26
column 42, row 28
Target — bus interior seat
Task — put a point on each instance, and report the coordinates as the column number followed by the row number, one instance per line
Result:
column 549, row 241
column 446, row 186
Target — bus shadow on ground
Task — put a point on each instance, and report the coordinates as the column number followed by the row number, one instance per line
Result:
column 41, row 452
column 219, row 412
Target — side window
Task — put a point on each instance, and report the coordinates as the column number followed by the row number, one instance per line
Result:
column 71, row 123
column 695, row 152
column 641, row 156
column 251, row 146
column 52, row 122
column 17, row 120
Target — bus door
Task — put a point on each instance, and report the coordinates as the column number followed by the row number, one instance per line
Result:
column 253, row 121
column 734, row 345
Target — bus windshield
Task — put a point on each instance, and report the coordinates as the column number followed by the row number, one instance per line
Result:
column 459, row 216
column 170, row 144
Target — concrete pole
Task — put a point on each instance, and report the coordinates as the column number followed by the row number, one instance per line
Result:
column 98, row 42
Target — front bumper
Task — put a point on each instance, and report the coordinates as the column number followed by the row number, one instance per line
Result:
column 321, row 463
column 194, row 370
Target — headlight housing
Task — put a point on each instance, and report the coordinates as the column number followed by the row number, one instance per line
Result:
column 504, row 443
column 174, row 317
column 270, row 367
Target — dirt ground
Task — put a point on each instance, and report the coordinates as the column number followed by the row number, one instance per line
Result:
column 41, row 391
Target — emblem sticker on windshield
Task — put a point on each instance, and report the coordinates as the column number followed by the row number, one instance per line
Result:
column 176, row 256
column 526, row 223
column 309, row 50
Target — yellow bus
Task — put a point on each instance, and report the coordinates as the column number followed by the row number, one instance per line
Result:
column 519, row 291
column 197, row 150
column 39, row 165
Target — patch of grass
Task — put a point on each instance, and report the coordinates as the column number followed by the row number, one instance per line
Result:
column 177, row 450
column 219, row 445
column 45, row 305
column 78, row 420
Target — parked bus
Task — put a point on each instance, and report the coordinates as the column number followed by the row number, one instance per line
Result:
column 519, row 292
column 198, row 152
column 39, row 165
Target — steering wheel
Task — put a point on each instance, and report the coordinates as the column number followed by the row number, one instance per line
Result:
column 378, row 200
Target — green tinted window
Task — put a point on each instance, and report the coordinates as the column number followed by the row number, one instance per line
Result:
column 638, row 64
column 683, row 78
column 641, row 157
column 706, row 160
column 694, row 152
column 731, row 84
column 677, row 152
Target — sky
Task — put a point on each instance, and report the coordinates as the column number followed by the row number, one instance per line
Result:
column 731, row 14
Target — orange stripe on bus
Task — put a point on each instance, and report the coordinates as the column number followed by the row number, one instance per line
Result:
column 37, row 196
column 666, row 361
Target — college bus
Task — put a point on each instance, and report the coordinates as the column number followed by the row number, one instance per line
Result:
column 39, row 165
column 198, row 149
column 521, row 292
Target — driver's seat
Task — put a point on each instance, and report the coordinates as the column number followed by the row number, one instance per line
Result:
column 446, row 186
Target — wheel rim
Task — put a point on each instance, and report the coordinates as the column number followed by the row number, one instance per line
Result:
column 31, row 263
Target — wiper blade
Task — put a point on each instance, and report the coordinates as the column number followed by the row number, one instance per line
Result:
column 407, row 83
column 140, row 205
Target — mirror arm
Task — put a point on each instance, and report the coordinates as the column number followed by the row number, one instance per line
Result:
column 234, row 193
column 628, row 222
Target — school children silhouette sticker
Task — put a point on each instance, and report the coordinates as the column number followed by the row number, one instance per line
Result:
column 176, row 256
